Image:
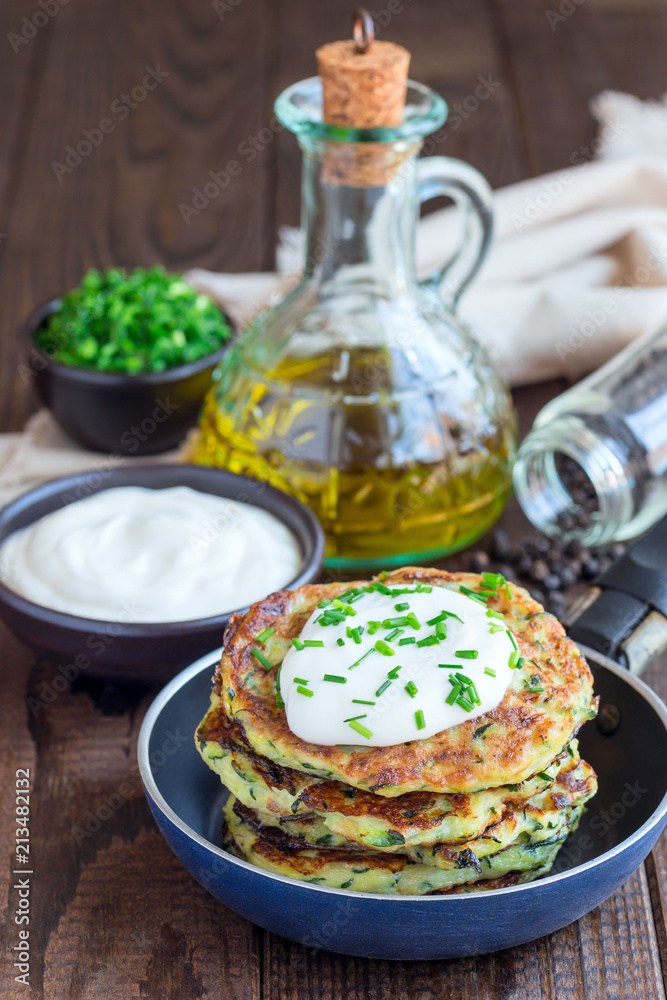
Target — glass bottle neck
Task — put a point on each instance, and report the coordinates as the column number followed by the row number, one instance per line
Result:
column 359, row 215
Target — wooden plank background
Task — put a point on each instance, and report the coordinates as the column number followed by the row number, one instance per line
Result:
column 115, row 916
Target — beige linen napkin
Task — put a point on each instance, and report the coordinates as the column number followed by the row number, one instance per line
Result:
column 43, row 451
column 578, row 268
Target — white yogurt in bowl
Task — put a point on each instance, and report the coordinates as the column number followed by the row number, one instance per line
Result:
column 170, row 555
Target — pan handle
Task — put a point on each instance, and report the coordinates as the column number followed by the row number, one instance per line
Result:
column 624, row 614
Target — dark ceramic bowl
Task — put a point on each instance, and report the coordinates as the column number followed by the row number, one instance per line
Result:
column 123, row 414
column 147, row 652
column 620, row 826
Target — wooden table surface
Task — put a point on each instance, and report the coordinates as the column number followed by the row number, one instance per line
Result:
column 112, row 913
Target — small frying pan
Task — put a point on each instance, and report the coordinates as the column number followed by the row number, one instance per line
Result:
column 621, row 623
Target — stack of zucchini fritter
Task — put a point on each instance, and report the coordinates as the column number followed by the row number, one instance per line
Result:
column 484, row 804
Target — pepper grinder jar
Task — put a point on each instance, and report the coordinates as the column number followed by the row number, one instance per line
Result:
column 594, row 465
column 360, row 393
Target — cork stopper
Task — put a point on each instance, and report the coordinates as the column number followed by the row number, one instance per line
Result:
column 363, row 80
column 364, row 85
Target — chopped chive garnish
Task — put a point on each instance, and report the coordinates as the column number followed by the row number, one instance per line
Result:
column 358, row 728
column 383, row 575
column 438, row 618
column 441, row 630
column 519, row 663
column 373, row 627
column 325, row 602
column 494, row 614
column 508, row 591
column 357, row 662
column 279, row 700
column 381, row 588
column 264, row 660
column 335, row 678
column 515, row 661
column 407, row 641
column 313, row 642
column 490, row 671
column 402, row 607
column 353, row 718
column 340, row 642
column 485, row 593
column 464, row 703
column 493, row 579
column 463, row 679
column 394, row 635
column 297, row 643
column 423, row 588
column 413, row 620
column 331, row 617
column 453, row 694
column 512, row 639
column 449, row 666
column 534, row 684
column 467, row 654
column 355, row 633
column 429, row 640
column 299, row 680
column 393, row 622
column 266, row 634
column 393, row 673
column 353, row 596
column 384, row 648
column 419, row 719
column 383, row 687
column 360, row 701
column 472, row 594
column 337, row 603
column 473, row 695
column 497, row 628
column 411, row 688
column 302, row 690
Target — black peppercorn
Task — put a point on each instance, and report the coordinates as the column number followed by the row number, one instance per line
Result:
column 552, row 582
column 590, row 567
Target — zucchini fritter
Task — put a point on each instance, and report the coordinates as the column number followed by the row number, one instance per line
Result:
column 368, row 871
column 481, row 805
column 549, row 698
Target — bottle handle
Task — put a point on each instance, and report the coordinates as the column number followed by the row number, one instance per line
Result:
column 470, row 192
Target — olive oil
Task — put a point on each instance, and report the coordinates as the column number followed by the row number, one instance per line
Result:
column 360, row 392
column 391, row 476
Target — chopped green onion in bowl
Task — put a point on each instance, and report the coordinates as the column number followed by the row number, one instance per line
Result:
column 143, row 321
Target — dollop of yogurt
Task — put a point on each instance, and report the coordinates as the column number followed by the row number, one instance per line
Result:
column 132, row 554
column 388, row 673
